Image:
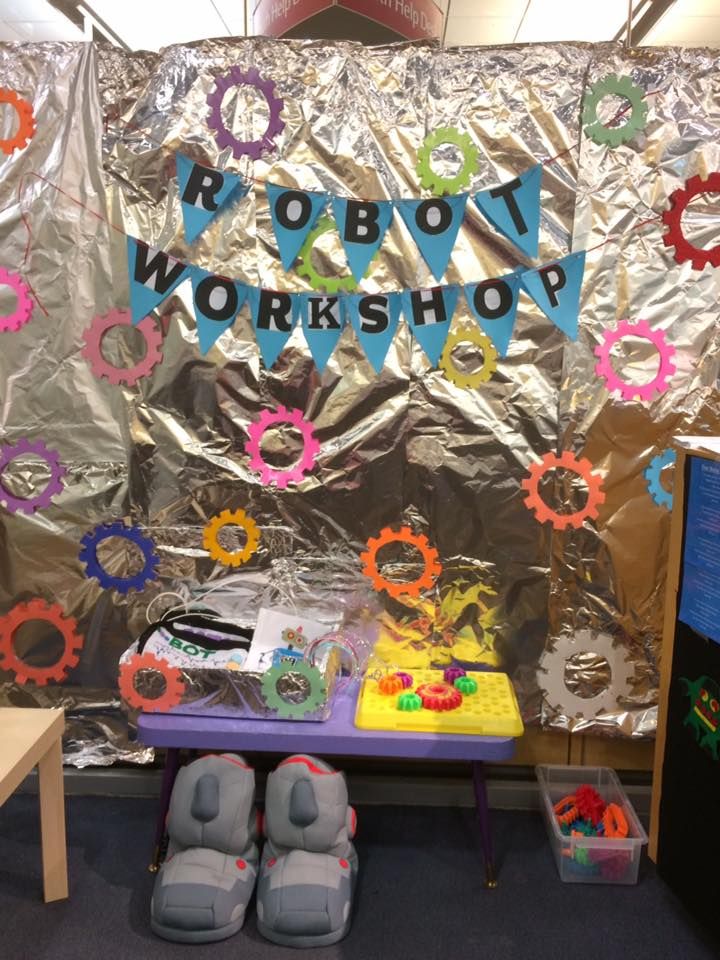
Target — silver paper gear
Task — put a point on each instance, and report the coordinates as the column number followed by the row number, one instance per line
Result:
column 404, row 446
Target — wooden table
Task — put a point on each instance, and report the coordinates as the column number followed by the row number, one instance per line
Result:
column 30, row 737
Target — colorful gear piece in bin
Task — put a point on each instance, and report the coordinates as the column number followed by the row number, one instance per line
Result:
column 653, row 474
column 231, row 558
column 223, row 137
column 92, row 351
column 433, row 181
column 174, row 686
column 54, row 614
column 404, row 535
column 619, row 86
column 567, row 461
column 23, row 310
column 93, row 567
column 26, row 121
column 311, row 447
column 470, row 381
column 628, row 391
column 10, row 452
column 306, row 268
column 287, row 709
column 439, row 696
column 672, row 218
column 589, row 803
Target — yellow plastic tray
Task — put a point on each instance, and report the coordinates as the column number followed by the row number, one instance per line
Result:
column 491, row 712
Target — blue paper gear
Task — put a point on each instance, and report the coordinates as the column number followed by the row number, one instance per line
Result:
column 93, row 567
column 652, row 477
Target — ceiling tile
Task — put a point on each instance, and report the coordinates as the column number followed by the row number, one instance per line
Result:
column 40, row 30
column 7, row 32
column 479, row 31
column 149, row 26
column 554, row 20
column 29, row 10
column 232, row 13
column 487, row 8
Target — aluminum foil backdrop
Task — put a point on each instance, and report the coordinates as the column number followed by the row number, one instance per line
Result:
column 403, row 446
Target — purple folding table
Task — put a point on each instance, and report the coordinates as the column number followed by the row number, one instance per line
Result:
column 337, row 736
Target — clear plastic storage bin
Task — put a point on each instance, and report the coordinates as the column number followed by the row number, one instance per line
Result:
column 590, row 859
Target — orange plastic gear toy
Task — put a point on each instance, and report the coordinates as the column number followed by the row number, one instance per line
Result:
column 672, row 218
column 231, row 558
column 51, row 613
column 404, row 535
column 174, row 687
column 26, row 120
column 567, row 461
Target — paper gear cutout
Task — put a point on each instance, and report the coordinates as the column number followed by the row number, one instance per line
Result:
column 404, row 535
column 628, row 391
column 311, row 447
column 26, row 121
column 306, row 268
column 567, row 461
column 672, row 218
column 93, row 567
column 223, row 137
column 10, row 452
column 653, row 475
column 92, row 351
column 54, row 614
column 23, row 311
column 169, row 698
column 553, row 662
column 613, row 85
column 468, row 380
column 289, row 709
column 433, row 181
column 231, row 558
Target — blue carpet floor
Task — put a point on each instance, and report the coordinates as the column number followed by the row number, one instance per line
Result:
column 421, row 895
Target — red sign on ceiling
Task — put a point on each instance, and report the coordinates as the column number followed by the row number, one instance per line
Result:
column 412, row 19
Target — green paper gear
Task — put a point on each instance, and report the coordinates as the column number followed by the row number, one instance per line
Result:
column 286, row 708
column 433, row 181
column 317, row 281
column 621, row 87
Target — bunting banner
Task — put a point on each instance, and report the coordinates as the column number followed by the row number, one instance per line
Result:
column 494, row 305
column 205, row 193
column 513, row 208
column 374, row 318
column 362, row 226
column 555, row 288
column 322, row 323
column 273, row 316
column 293, row 213
column 217, row 302
column 434, row 226
column 428, row 314
column 153, row 276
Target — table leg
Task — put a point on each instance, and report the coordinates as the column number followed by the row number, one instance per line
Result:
column 483, row 815
column 172, row 764
column 52, row 824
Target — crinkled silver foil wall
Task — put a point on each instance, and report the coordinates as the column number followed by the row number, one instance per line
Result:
column 403, row 446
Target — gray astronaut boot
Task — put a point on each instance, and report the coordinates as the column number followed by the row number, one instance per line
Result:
column 203, row 887
column 309, row 866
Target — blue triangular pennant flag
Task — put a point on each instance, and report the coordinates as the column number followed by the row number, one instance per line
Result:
column 204, row 193
column 429, row 314
column 434, row 225
column 374, row 317
column 153, row 276
column 494, row 305
column 293, row 214
column 556, row 288
column 217, row 302
column 362, row 226
column 273, row 318
column 513, row 208
column 322, row 321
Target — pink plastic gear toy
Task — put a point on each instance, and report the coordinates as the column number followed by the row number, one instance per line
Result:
column 23, row 310
column 92, row 351
column 223, row 137
column 672, row 218
column 311, row 447
column 628, row 391
column 8, row 453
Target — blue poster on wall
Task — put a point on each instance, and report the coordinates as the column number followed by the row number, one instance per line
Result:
column 700, row 594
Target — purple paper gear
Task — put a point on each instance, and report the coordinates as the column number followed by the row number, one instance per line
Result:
column 224, row 138
column 10, row 452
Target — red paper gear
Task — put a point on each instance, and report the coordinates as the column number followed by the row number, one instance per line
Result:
column 51, row 613
column 684, row 250
column 590, row 804
column 174, row 687
column 404, row 535
column 567, row 461
column 26, row 128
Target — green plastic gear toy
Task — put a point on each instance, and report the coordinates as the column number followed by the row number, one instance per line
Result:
column 287, row 709
column 466, row 685
column 409, row 701
column 317, row 281
column 433, row 181
column 621, row 87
